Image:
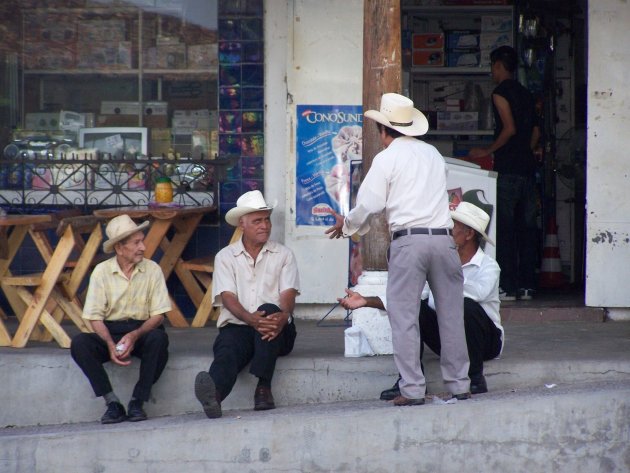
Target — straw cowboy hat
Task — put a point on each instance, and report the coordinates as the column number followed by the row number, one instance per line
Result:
column 252, row 201
column 474, row 217
column 397, row 112
column 120, row 228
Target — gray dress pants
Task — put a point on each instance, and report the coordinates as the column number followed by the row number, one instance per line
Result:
column 413, row 260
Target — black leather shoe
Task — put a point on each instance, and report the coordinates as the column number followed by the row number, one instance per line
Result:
column 391, row 393
column 135, row 412
column 263, row 399
column 206, row 393
column 462, row 396
column 114, row 414
column 478, row 385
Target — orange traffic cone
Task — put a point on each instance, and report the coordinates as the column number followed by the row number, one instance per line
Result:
column 551, row 267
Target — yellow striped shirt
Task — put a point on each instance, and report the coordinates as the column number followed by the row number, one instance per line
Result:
column 111, row 296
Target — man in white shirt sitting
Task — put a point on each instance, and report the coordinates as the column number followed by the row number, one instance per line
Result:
column 482, row 321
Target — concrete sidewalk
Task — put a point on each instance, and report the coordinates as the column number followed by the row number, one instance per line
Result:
column 535, row 354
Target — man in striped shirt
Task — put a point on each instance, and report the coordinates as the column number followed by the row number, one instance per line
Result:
column 125, row 306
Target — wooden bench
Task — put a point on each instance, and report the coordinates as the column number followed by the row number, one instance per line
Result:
column 202, row 268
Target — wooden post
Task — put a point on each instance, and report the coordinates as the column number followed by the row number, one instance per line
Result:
column 382, row 70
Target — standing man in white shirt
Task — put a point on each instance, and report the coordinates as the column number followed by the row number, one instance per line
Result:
column 408, row 180
column 482, row 320
column 255, row 283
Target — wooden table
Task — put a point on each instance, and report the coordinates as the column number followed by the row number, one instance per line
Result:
column 184, row 222
column 51, row 295
column 13, row 230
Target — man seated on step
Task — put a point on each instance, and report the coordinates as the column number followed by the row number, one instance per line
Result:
column 482, row 321
column 255, row 283
column 125, row 306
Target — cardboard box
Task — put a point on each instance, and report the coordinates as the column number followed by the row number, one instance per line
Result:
column 95, row 31
column 42, row 121
column 463, row 58
column 485, row 162
column 458, row 121
column 104, row 55
column 427, row 57
column 160, row 142
column 468, row 39
column 495, row 23
column 202, row 56
column 48, row 56
column 491, row 41
column 149, row 121
column 427, row 41
column 171, row 56
column 185, row 121
column 133, row 108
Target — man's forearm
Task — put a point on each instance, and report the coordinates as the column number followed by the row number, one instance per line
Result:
column 374, row 302
column 101, row 330
column 149, row 324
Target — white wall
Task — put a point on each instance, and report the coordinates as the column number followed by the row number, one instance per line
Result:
column 608, row 164
column 314, row 56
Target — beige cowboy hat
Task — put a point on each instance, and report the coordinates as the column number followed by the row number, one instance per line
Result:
column 397, row 112
column 474, row 217
column 120, row 228
column 252, row 201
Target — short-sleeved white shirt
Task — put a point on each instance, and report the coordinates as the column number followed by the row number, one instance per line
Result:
column 254, row 282
column 408, row 180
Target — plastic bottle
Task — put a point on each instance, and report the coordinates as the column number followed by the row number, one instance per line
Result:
column 164, row 190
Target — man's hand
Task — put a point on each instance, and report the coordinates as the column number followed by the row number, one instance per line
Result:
column 335, row 230
column 353, row 300
column 128, row 342
column 119, row 358
column 271, row 326
column 478, row 152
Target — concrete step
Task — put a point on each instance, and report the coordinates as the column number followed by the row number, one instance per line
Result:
column 572, row 428
column 41, row 385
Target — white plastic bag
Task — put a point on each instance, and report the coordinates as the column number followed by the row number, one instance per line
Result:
column 356, row 343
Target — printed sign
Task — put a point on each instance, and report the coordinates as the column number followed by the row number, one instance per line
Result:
column 328, row 138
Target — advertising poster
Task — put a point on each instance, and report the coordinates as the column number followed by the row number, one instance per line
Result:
column 328, row 139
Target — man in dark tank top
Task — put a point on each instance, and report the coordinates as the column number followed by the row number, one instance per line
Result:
column 516, row 133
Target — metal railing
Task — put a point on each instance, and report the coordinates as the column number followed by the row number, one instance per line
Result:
column 88, row 181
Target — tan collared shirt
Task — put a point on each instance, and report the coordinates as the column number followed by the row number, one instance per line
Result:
column 254, row 282
column 111, row 296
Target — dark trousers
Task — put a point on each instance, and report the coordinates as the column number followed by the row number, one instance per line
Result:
column 237, row 345
column 482, row 336
column 89, row 351
column 517, row 231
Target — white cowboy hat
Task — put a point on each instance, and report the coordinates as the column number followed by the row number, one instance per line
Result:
column 252, row 201
column 474, row 217
column 120, row 228
column 397, row 112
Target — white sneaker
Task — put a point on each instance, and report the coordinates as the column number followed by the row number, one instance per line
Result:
column 506, row 296
column 525, row 294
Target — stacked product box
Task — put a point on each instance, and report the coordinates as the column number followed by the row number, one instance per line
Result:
column 427, row 49
column 102, row 44
column 123, row 113
column 462, row 48
column 50, row 41
column 194, row 133
column 496, row 31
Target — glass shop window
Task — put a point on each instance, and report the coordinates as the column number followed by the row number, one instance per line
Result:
column 72, row 65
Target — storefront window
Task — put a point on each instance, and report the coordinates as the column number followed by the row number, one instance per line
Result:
column 148, row 66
